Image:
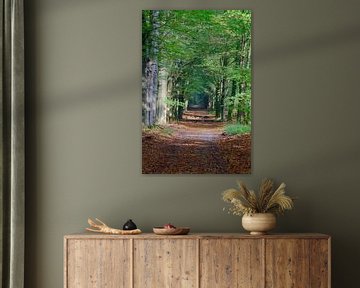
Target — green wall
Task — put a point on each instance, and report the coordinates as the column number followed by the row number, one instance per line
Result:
column 83, row 126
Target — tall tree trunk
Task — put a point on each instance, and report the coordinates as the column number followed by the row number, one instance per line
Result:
column 151, row 72
column 161, row 100
column 145, row 58
column 232, row 101
column 241, row 87
column 217, row 100
column 170, row 85
column 181, row 106
column 247, row 53
column 222, row 99
column 243, row 115
column 223, row 63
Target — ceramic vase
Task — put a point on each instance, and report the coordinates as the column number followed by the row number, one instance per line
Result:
column 259, row 223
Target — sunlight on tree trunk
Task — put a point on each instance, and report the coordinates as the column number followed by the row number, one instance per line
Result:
column 161, row 101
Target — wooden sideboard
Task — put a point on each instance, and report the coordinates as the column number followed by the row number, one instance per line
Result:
column 197, row 260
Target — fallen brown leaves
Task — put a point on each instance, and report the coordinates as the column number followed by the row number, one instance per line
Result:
column 195, row 148
column 237, row 152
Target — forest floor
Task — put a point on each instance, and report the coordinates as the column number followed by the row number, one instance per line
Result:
column 196, row 145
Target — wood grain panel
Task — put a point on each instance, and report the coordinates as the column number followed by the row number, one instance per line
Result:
column 98, row 264
column 231, row 263
column 287, row 263
column 165, row 263
column 319, row 263
column 197, row 260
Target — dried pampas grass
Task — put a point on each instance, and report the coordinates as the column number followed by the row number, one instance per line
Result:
column 245, row 201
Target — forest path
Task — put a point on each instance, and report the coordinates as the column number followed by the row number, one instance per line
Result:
column 196, row 146
column 197, row 131
column 198, row 125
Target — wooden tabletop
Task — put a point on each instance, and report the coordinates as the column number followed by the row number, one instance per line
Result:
column 89, row 235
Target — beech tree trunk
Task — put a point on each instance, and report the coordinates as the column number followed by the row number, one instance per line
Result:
column 151, row 72
column 217, row 100
column 161, row 101
column 224, row 63
column 232, row 101
column 222, row 99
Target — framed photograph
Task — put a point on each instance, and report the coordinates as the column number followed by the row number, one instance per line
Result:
column 196, row 91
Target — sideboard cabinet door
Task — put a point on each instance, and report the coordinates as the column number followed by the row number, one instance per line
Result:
column 98, row 263
column 231, row 263
column 165, row 263
column 297, row 263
